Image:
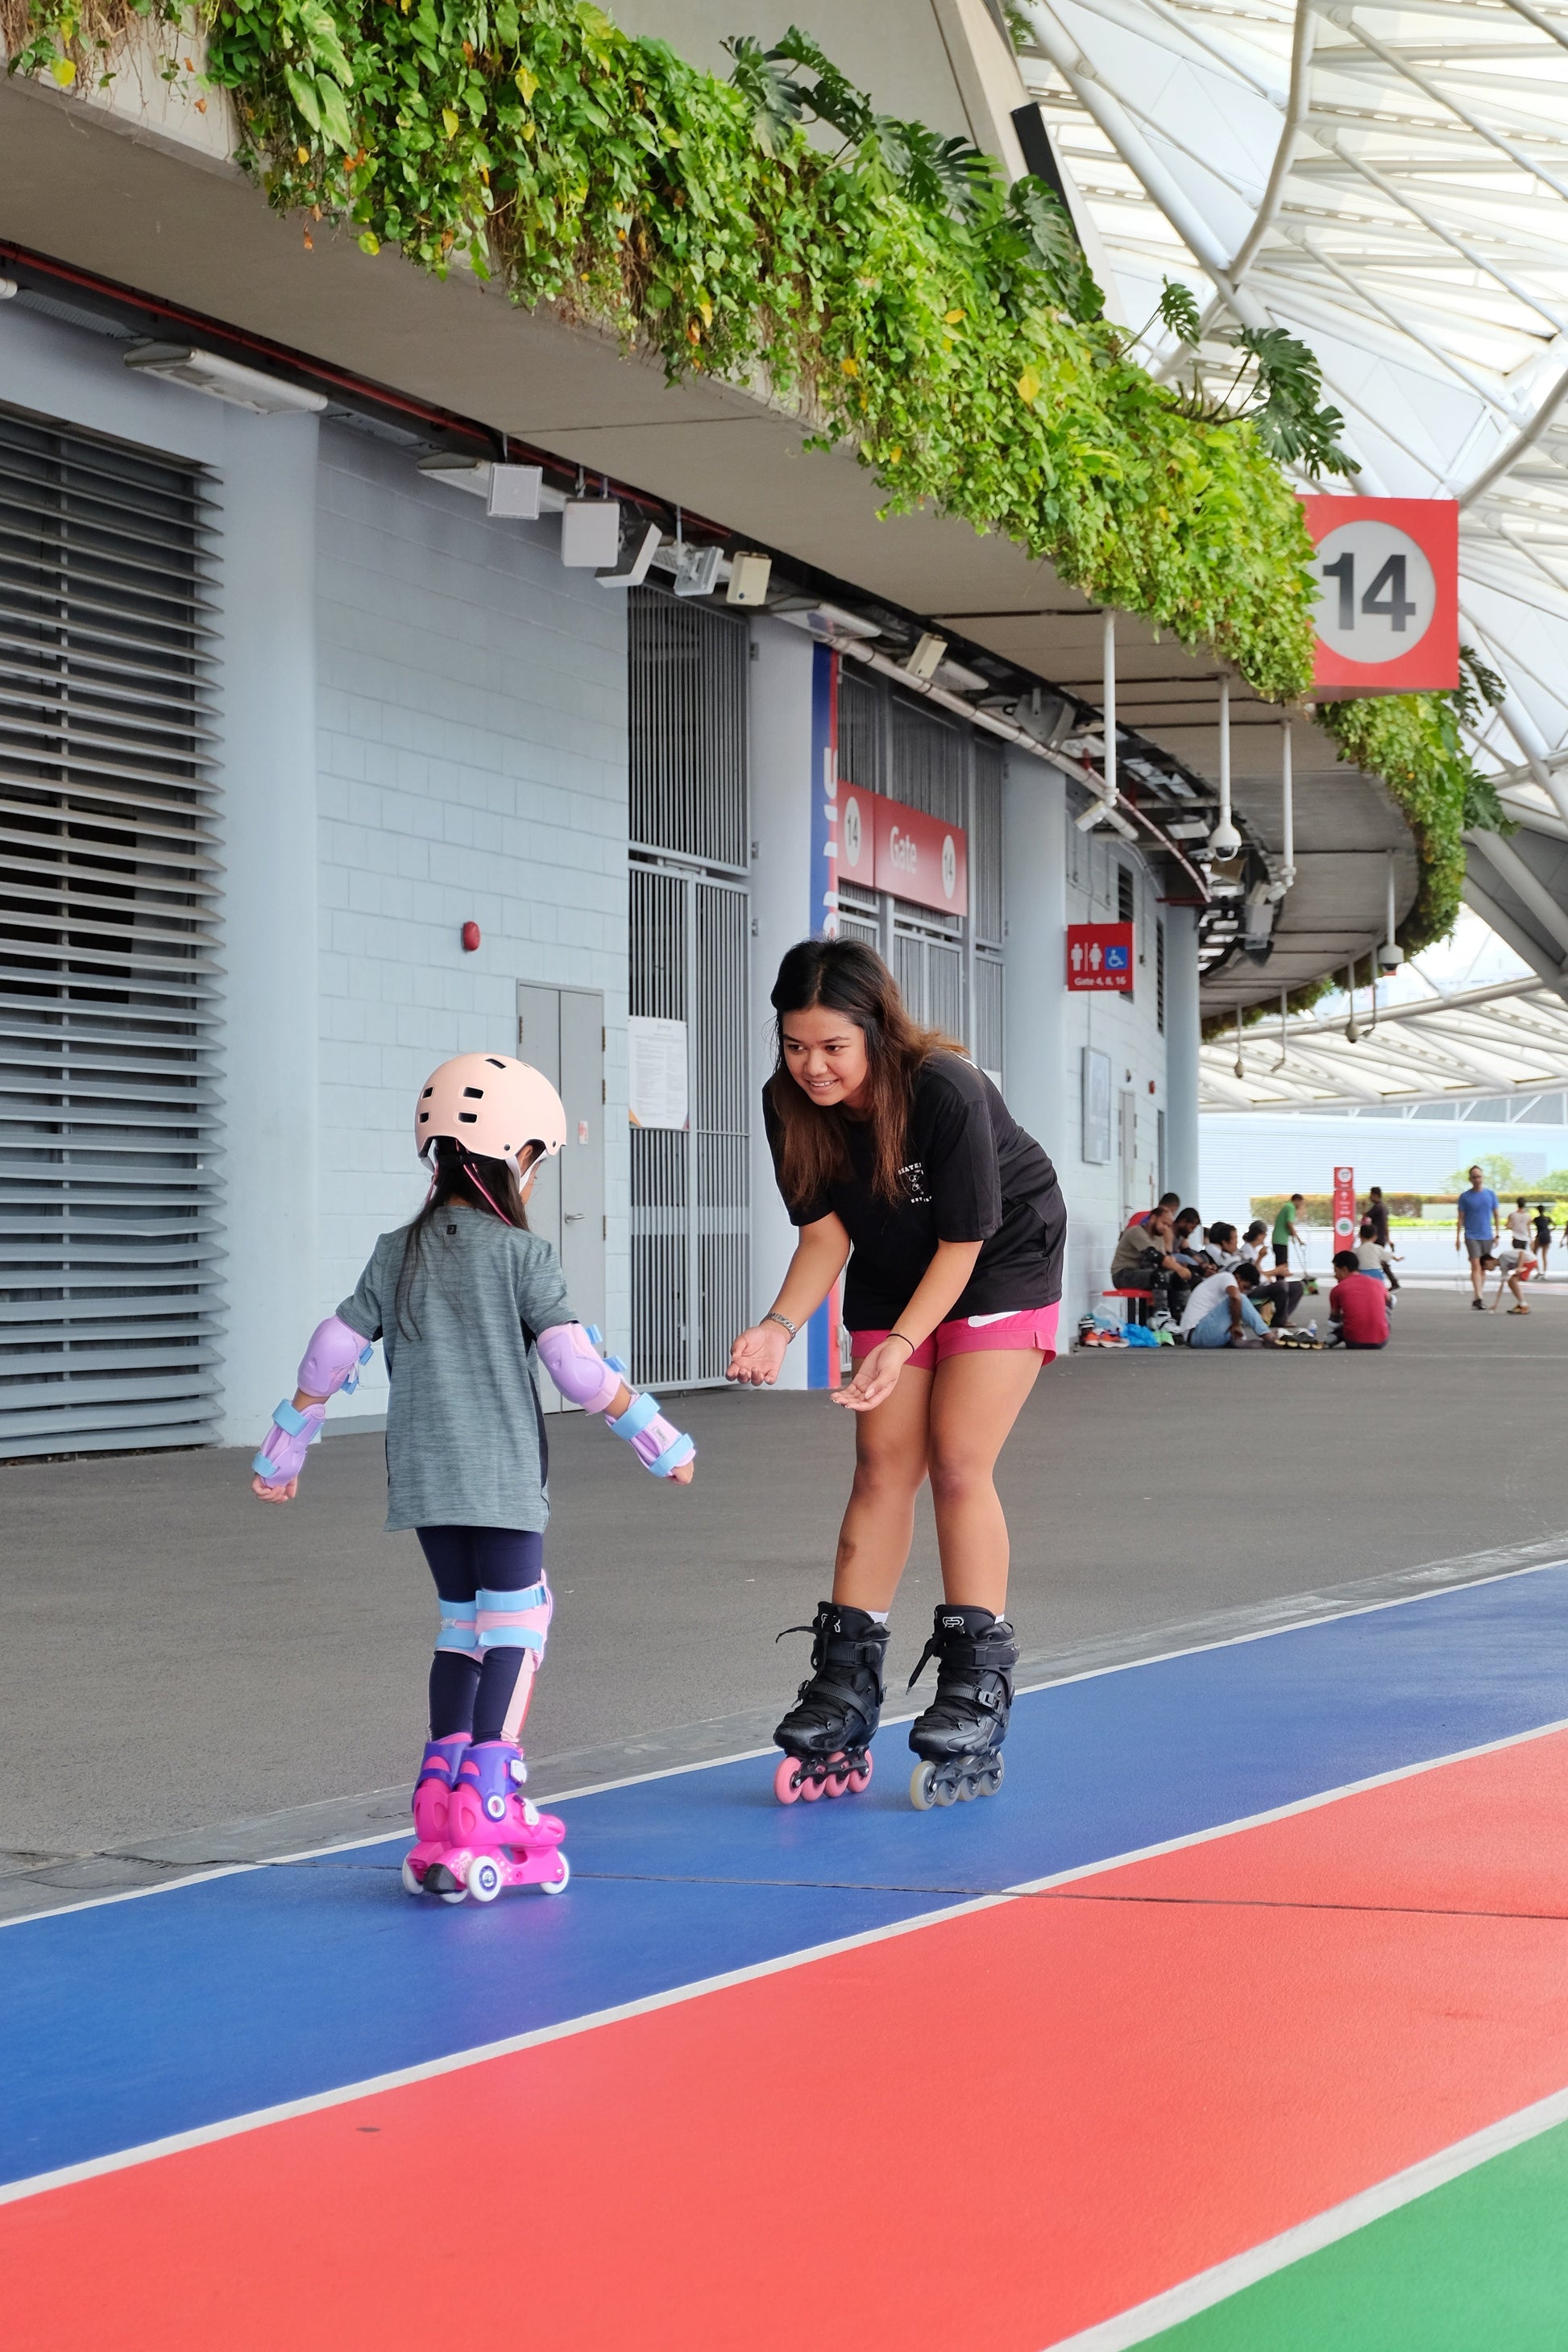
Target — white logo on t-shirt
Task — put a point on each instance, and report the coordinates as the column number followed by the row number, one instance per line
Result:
column 912, row 1176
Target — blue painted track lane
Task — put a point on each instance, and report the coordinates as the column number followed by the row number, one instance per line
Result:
column 126, row 2023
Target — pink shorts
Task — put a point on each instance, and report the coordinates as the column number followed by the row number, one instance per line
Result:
column 968, row 1335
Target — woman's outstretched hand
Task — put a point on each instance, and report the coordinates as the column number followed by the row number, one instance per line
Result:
column 757, row 1355
column 876, row 1377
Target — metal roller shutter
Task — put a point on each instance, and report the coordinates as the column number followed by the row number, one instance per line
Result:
column 108, row 898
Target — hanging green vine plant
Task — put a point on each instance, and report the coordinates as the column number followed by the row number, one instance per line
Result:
column 906, row 303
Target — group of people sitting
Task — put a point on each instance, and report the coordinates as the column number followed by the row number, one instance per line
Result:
column 1209, row 1287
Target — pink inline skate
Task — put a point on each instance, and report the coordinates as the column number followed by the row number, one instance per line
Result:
column 432, row 1797
column 495, row 1837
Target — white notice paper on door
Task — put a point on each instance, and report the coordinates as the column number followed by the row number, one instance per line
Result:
column 657, row 1089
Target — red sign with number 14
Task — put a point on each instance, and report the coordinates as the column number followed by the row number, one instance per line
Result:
column 1388, row 594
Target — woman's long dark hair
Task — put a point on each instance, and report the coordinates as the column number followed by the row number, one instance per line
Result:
column 853, row 979
column 491, row 1186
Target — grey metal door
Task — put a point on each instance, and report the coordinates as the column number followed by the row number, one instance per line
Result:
column 690, row 1188
column 562, row 1032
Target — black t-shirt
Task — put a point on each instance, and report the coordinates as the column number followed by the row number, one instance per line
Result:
column 970, row 1174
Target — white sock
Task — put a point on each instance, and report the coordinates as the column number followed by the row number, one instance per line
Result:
column 877, row 1616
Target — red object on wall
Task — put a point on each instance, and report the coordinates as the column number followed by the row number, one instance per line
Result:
column 1344, row 1208
column 1100, row 955
column 470, row 938
column 883, row 845
column 1388, row 594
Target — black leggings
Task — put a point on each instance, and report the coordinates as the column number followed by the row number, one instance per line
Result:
column 464, row 1561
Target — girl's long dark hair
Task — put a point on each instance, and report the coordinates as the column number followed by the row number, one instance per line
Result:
column 853, row 979
column 489, row 1185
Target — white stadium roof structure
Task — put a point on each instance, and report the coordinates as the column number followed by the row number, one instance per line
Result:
column 1391, row 184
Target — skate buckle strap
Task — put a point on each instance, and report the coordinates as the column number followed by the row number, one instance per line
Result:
column 929, row 1652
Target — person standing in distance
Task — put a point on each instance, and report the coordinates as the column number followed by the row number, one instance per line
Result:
column 896, row 1155
column 1285, row 1233
column 1542, row 1236
column 1474, row 1224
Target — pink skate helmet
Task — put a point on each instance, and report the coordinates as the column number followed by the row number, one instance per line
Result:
column 491, row 1105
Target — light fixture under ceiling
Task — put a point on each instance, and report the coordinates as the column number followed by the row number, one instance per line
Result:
column 221, row 379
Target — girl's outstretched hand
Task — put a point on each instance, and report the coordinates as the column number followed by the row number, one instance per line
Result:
column 876, row 1377
column 757, row 1355
column 685, row 1475
column 284, row 1494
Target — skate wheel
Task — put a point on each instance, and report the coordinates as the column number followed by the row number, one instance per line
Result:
column 455, row 1897
column 993, row 1778
column 944, row 1793
column 411, row 1882
column 811, row 1787
column 966, row 1792
column 486, row 1878
column 922, row 1787
column 861, row 1778
column 787, row 1780
column 557, row 1885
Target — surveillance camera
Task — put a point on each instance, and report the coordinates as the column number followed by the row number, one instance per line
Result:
column 1225, row 841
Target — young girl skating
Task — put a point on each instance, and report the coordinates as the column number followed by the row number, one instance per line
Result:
column 888, row 1142
column 461, row 1298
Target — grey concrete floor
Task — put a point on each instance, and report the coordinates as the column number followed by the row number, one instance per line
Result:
column 173, row 1655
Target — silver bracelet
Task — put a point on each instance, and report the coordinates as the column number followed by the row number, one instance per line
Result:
column 772, row 1315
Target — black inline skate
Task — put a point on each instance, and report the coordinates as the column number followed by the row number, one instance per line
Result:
column 827, row 1735
column 959, row 1737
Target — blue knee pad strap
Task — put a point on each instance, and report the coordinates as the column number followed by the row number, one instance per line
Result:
column 512, row 1604
column 457, row 1627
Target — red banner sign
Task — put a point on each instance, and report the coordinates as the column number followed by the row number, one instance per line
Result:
column 1100, row 955
column 1344, row 1208
column 883, row 845
column 1388, row 594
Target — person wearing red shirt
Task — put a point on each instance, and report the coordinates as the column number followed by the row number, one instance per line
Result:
column 1358, row 1304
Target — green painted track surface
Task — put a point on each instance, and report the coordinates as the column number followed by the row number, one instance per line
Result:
column 1479, row 2265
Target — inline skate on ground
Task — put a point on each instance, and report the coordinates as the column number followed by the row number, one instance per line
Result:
column 827, row 1735
column 432, row 1799
column 494, row 1837
column 959, row 1738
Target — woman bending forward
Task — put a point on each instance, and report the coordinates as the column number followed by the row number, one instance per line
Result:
column 894, row 1153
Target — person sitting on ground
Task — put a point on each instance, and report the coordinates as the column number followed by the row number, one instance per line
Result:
column 1474, row 1224
column 1373, row 1256
column 1220, row 1312
column 1542, row 1237
column 1285, row 1231
column 1253, row 1241
column 1187, row 1242
column 1221, row 1247
column 1358, row 1305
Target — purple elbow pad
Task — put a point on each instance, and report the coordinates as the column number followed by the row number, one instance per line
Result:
column 577, row 1368
column 333, row 1360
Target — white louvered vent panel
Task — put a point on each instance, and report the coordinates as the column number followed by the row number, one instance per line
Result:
column 109, row 903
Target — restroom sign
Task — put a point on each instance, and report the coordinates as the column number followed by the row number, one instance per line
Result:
column 1100, row 955
column 1387, row 577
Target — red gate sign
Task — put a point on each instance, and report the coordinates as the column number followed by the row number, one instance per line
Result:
column 1100, row 955
column 1344, row 1208
column 883, row 845
column 1388, row 594
column 920, row 859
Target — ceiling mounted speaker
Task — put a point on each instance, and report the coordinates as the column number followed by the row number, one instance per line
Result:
column 590, row 533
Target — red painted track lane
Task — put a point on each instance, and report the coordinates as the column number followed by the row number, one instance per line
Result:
column 1123, row 2091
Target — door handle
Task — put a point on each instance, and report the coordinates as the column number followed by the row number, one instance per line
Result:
column 574, row 1216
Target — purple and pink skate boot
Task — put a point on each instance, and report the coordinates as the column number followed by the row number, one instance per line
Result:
column 494, row 1836
column 432, row 1797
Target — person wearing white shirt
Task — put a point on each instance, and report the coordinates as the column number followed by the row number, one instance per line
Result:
column 1220, row 1313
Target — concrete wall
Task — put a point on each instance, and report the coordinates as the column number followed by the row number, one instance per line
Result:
column 472, row 764
column 423, row 720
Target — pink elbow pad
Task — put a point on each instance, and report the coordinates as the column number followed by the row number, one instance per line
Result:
column 577, row 1368
column 333, row 1360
